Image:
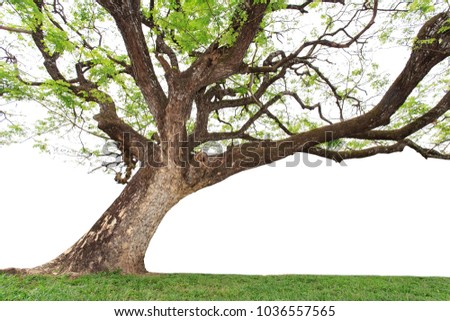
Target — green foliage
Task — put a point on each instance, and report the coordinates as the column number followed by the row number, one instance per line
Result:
column 275, row 5
column 189, row 27
column 355, row 144
column 10, row 87
column 12, row 133
column 314, row 4
column 334, row 144
column 29, row 14
column 441, row 132
column 41, row 145
column 57, row 40
column 423, row 6
column 194, row 24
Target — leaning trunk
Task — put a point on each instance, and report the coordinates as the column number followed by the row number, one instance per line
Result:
column 119, row 239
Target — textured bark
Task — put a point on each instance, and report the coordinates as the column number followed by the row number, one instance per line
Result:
column 119, row 239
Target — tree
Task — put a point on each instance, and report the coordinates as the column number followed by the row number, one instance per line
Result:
column 188, row 93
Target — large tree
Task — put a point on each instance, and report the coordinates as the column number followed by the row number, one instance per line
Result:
column 190, row 92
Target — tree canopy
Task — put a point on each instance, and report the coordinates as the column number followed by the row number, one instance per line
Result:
column 251, row 73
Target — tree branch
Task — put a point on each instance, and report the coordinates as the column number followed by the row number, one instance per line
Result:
column 13, row 29
column 218, row 63
column 421, row 61
column 108, row 120
column 426, row 153
column 339, row 156
column 49, row 59
column 127, row 15
column 301, row 7
column 333, row 44
column 429, row 117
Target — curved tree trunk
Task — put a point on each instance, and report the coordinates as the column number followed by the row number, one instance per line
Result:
column 119, row 239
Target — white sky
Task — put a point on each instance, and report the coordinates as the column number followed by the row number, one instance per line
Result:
column 387, row 215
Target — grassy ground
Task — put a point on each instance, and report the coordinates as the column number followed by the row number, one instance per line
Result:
column 222, row 287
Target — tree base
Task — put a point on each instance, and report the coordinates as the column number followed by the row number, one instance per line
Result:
column 19, row 271
column 118, row 241
column 44, row 270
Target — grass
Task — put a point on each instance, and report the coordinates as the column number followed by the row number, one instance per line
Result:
column 186, row 287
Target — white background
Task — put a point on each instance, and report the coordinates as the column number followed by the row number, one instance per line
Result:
column 385, row 215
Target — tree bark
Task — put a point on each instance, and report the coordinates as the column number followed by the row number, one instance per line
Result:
column 120, row 238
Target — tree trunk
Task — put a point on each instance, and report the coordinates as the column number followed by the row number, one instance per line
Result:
column 120, row 238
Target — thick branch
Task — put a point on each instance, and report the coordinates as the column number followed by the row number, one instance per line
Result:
column 218, row 63
column 163, row 48
column 339, row 156
column 49, row 59
column 397, row 134
column 127, row 15
column 426, row 152
column 129, row 140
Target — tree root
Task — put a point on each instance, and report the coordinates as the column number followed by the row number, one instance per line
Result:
column 53, row 271
column 14, row 271
column 39, row 270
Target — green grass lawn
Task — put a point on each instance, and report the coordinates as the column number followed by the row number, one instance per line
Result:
column 222, row 287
